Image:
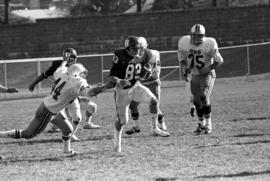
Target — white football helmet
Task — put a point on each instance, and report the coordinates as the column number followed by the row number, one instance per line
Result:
column 143, row 42
column 77, row 70
column 197, row 34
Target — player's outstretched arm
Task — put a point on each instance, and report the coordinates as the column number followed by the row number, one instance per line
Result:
column 36, row 81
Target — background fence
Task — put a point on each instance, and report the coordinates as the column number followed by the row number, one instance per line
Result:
column 241, row 60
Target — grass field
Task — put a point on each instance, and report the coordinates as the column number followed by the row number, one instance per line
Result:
column 238, row 148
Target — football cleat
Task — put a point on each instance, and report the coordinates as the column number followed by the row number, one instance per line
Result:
column 158, row 132
column 133, row 130
column 208, row 129
column 200, row 129
column 91, row 126
column 70, row 153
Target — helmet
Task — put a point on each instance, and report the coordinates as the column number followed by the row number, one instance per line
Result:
column 133, row 46
column 143, row 42
column 70, row 55
column 197, row 34
column 77, row 70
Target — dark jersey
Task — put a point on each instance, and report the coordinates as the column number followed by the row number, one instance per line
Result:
column 125, row 67
column 50, row 71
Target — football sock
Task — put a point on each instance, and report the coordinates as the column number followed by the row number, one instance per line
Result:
column 15, row 133
column 67, row 147
column 154, row 121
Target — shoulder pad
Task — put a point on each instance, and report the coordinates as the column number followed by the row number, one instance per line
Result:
column 211, row 43
column 155, row 56
column 184, row 43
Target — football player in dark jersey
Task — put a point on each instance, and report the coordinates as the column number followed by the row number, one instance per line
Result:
column 128, row 66
column 70, row 55
column 153, row 83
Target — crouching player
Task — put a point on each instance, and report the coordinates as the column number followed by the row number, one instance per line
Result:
column 153, row 83
column 70, row 84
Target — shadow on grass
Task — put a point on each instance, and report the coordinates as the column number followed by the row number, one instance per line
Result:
column 23, row 142
column 166, row 179
column 240, row 143
column 250, row 119
column 94, row 154
column 250, row 135
column 252, row 142
column 241, row 174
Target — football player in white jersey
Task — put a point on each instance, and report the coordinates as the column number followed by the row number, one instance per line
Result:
column 70, row 84
column 88, row 107
column 199, row 56
column 153, row 83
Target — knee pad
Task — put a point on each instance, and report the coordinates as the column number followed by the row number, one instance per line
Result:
column 153, row 106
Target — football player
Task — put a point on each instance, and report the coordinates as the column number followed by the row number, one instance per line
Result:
column 128, row 66
column 86, row 105
column 153, row 83
column 199, row 55
column 70, row 84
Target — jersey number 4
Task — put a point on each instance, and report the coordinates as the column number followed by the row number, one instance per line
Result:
column 196, row 59
column 56, row 89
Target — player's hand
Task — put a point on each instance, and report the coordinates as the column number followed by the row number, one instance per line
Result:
column 98, row 89
column 186, row 72
column 31, row 87
column 185, row 77
column 124, row 83
column 12, row 90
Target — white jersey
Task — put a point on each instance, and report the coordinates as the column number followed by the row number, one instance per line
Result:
column 198, row 57
column 155, row 62
column 153, row 58
column 65, row 90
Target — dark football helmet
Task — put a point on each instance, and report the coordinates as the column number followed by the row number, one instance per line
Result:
column 197, row 34
column 70, row 55
column 133, row 46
